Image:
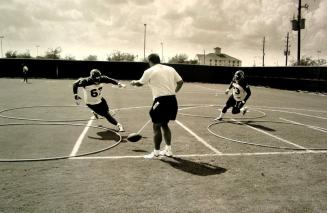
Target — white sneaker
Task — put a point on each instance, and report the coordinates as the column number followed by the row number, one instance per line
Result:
column 120, row 128
column 166, row 152
column 152, row 155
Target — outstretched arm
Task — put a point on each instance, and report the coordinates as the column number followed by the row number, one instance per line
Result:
column 230, row 87
column 136, row 83
column 108, row 80
column 248, row 93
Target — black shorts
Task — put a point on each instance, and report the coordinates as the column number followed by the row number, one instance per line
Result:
column 237, row 105
column 164, row 109
column 101, row 108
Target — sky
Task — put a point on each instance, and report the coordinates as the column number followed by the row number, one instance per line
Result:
column 101, row 27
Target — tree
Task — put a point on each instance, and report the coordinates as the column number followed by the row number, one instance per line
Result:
column 308, row 61
column 53, row 53
column 91, row 58
column 70, row 58
column 178, row 59
column 11, row 54
column 193, row 61
column 24, row 55
column 120, row 56
column 15, row 54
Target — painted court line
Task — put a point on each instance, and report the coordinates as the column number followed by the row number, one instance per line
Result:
column 297, row 113
column 203, row 155
column 271, row 135
column 321, row 129
column 198, row 137
column 81, row 137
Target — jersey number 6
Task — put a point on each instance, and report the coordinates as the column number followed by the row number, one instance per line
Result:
column 96, row 92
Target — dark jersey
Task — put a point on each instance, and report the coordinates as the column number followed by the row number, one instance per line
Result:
column 92, row 89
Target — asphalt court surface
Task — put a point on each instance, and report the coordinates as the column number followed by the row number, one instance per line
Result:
column 277, row 121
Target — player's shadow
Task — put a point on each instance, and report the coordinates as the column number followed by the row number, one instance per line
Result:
column 195, row 168
column 258, row 126
column 106, row 135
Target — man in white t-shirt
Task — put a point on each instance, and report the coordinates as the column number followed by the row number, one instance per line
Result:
column 25, row 73
column 164, row 83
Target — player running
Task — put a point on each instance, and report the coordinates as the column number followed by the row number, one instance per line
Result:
column 92, row 87
column 240, row 94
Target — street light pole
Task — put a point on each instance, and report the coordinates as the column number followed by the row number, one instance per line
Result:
column 1, row 37
column 144, row 41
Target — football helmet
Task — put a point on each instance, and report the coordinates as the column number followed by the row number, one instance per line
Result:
column 95, row 74
column 239, row 75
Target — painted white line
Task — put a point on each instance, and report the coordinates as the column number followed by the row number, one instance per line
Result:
column 194, row 107
column 271, row 135
column 198, row 137
column 297, row 113
column 321, row 129
column 81, row 137
column 285, row 108
column 203, row 155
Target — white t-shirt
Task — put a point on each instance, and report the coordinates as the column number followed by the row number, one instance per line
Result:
column 238, row 92
column 161, row 79
column 93, row 93
column 25, row 69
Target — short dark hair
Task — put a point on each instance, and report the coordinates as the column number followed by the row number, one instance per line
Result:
column 154, row 58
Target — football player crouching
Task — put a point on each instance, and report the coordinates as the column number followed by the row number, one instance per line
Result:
column 240, row 94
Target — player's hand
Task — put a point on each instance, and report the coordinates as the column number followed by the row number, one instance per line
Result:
column 226, row 91
column 77, row 99
column 120, row 85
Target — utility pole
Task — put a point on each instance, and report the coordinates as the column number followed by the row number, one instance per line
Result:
column 286, row 51
column 299, row 34
column 144, row 41
column 297, row 25
column 204, row 57
column 1, row 37
column 263, row 51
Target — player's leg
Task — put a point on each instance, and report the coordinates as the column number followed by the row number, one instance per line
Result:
column 239, row 107
column 103, row 109
column 156, row 117
column 229, row 103
column 169, row 112
column 167, row 136
column 157, row 138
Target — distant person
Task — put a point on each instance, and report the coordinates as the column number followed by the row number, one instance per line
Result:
column 164, row 83
column 25, row 73
column 240, row 94
column 92, row 87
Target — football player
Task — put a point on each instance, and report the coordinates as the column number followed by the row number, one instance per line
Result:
column 240, row 94
column 92, row 87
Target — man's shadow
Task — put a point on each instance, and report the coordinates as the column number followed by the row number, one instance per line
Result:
column 252, row 123
column 195, row 168
column 258, row 126
column 106, row 135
